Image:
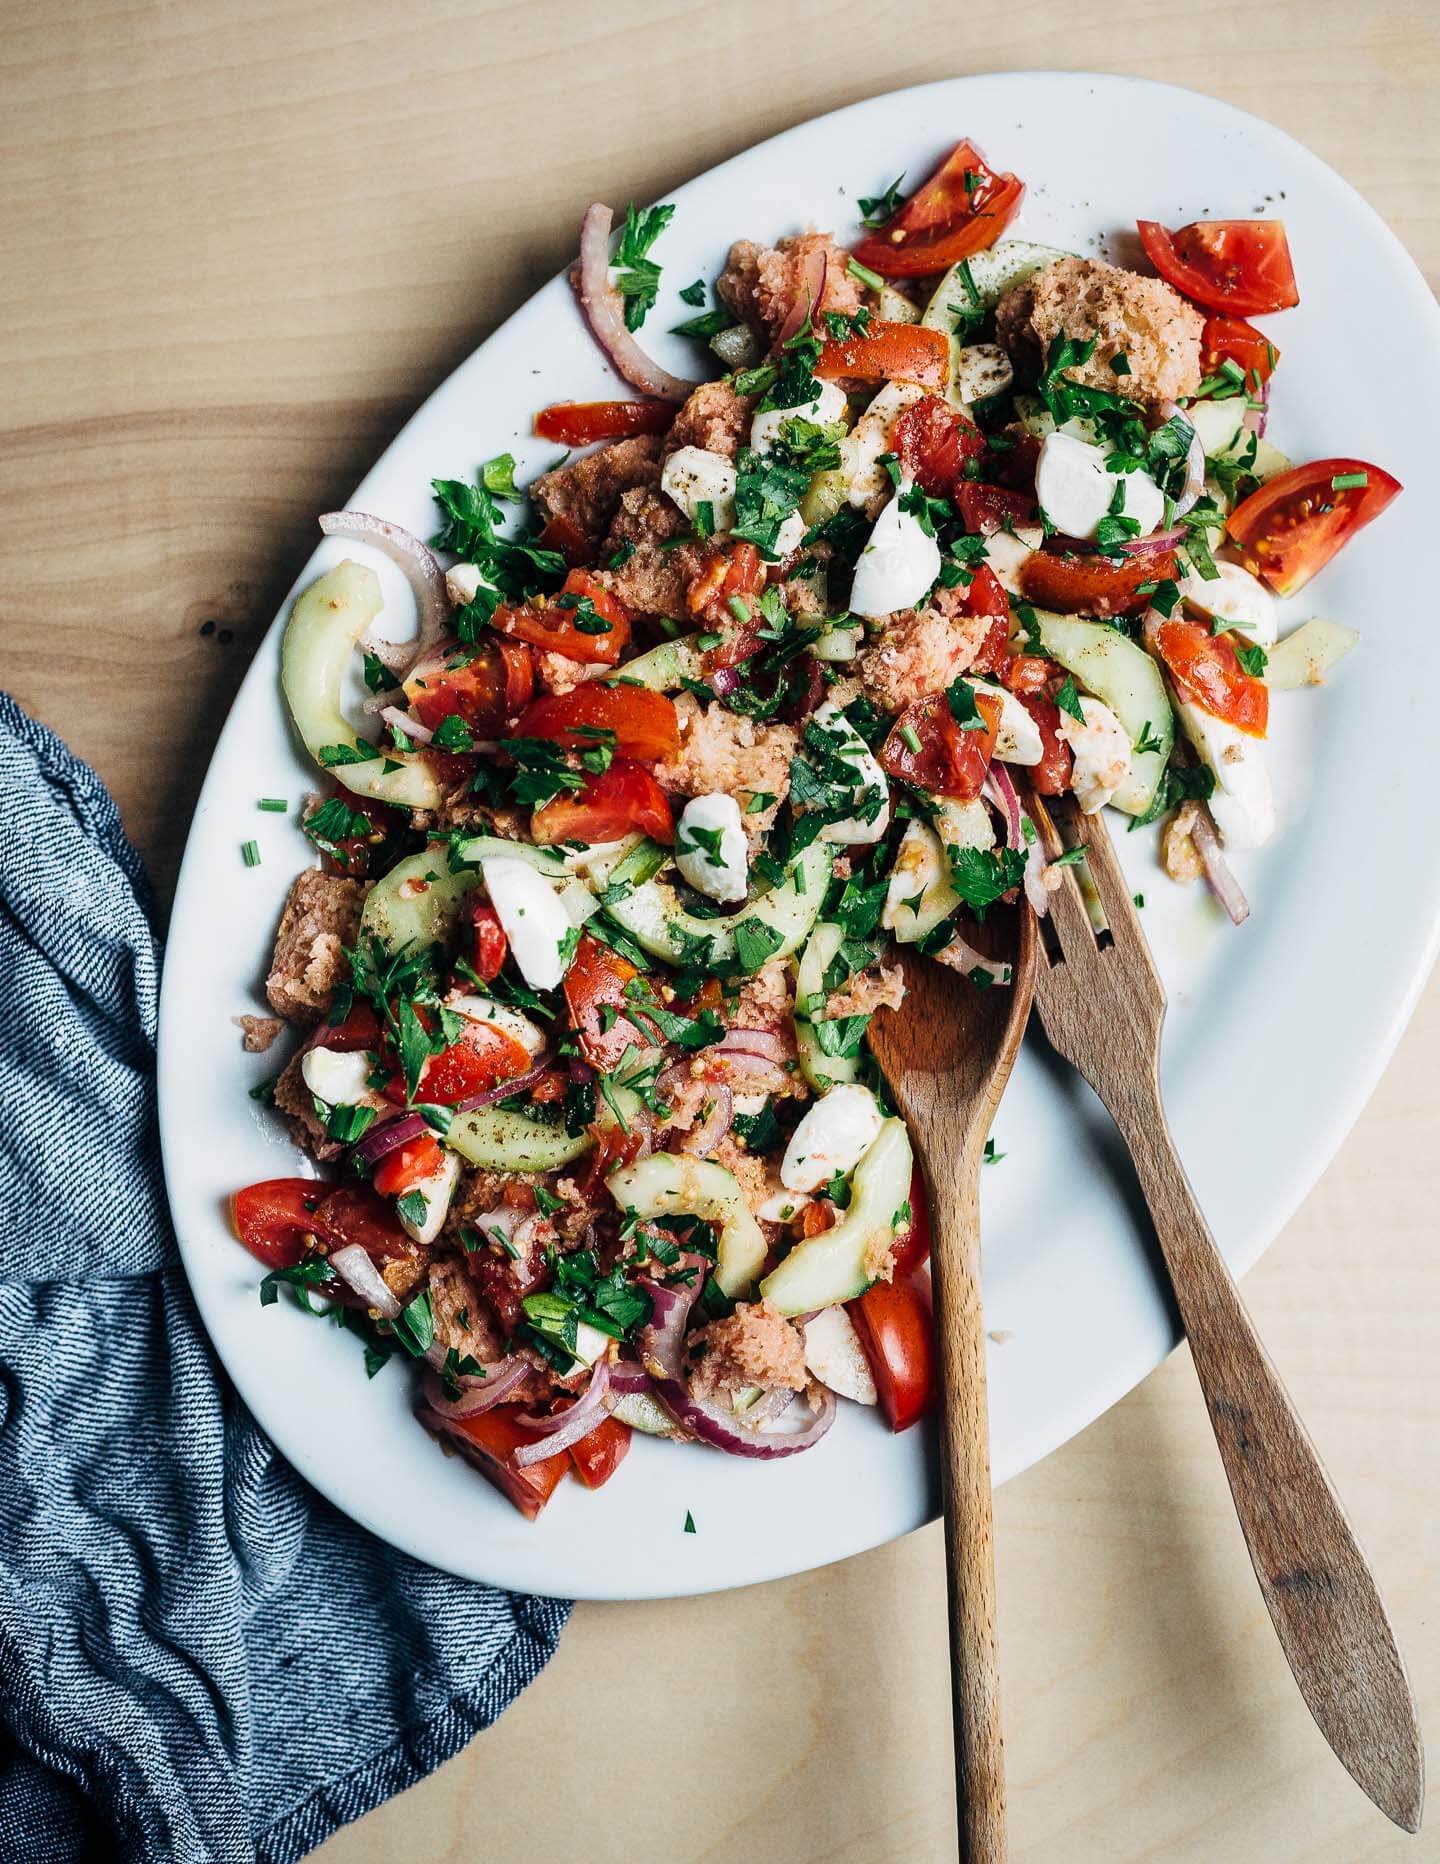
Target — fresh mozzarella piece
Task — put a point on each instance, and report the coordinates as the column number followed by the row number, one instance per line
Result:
column 499, row 1016
column 1234, row 596
column 829, row 409
column 710, row 847
column 860, row 451
column 462, row 583
column 1144, row 501
column 437, row 1191
column 533, row 918
column 1072, row 485
column 781, row 1206
column 1243, row 804
column 1017, row 736
column 789, row 537
column 338, row 1077
column 899, row 563
column 1102, row 754
column 692, row 477
column 981, row 369
column 833, row 1137
column 1007, row 552
column 834, row 1354
column 504, row 1224
column 847, row 743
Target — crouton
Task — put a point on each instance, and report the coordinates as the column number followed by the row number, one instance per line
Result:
column 258, row 1033
column 1143, row 318
column 755, row 1345
column 462, row 1316
column 404, row 1275
column 587, row 492
column 322, row 915
column 715, row 418
column 656, row 572
column 293, row 1100
column 759, row 283
column 721, row 753
column 558, row 673
column 877, row 987
column 921, row 651
column 766, row 1000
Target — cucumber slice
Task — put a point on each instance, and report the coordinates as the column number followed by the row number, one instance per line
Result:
column 397, row 916
column 670, row 1184
column 991, row 273
column 547, row 861
column 823, row 497
column 1307, row 656
column 1217, row 423
column 644, row 1413
column 655, row 919
column 666, row 668
column 326, row 622
column 822, row 1071
column 832, row 1266
column 496, row 1139
column 1124, row 677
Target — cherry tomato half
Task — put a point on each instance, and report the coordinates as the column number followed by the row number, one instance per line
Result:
column 583, row 622
column 408, row 1165
column 644, row 723
column 950, row 760
column 933, row 442
column 963, row 208
column 1231, row 339
column 1091, row 585
column 888, row 353
column 620, row 801
column 894, row 1324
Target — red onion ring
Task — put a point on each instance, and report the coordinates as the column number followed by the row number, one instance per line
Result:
column 384, row 1137
column 1194, row 458
column 502, row 1090
column 809, row 290
column 702, row 1140
column 605, row 314
column 999, row 790
column 762, row 1042
column 398, row 719
column 724, row 681
column 1222, row 882
column 1255, row 420
column 479, row 1393
column 1155, row 543
column 425, row 576
column 354, row 1267
column 560, row 1426
column 626, row 1378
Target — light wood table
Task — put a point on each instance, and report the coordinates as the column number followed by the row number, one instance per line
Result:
column 240, row 242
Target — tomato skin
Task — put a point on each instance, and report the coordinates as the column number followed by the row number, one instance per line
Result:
column 733, row 571
column 1231, row 339
column 276, row 1218
column 596, row 981
column 894, row 1324
column 359, row 1030
column 943, row 222
column 1091, row 585
column 552, row 627
column 597, row 1456
column 613, row 1148
column 1241, row 267
column 1207, row 673
column 951, row 761
column 407, row 1165
column 986, row 596
column 889, row 353
column 495, row 683
column 485, row 938
column 933, row 443
column 491, row 1440
column 913, row 1249
column 621, row 799
column 1052, row 775
column 564, row 534
column 354, row 1214
column 581, row 423
column 644, row 722
column 985, row 508
column 1283, row 533
column 482, row 1058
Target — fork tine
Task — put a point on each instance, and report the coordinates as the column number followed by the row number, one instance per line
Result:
column 1068, row 913
column 1110, row 884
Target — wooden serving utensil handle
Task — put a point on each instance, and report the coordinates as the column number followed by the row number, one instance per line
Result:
column 969, row 1526
column 1322, row 1600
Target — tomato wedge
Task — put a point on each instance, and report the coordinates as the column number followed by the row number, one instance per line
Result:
column 913, row 1249
column 933, row 442
column 276, row 1219
column 564, row 534
column 1295, row 523
column 359, row 1030
column 951, row 760
column 1092, row 585
column 1207, row 673
column 354, row 1214
column 594, row 985
column 583, row 622
column 407, row 1165
column 484, row 937
column 1241, row 267
column 643, row 722
column 1028, row 673
column 1052, row 775
column 732, row 570
column 986, row 596
column 490, row 1440
column 963, row 208
column 482, row 1058
column 613, row 1148
column 484, row 685
column 621, row 800
column 1231, row 339
column 896, row 1331
column 581, row 423
column 597, row 1456
column 986, row 509
column 888, row 353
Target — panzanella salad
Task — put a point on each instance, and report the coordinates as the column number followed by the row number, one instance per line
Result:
column 700, row 730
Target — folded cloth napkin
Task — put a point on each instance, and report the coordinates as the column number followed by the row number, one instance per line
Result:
column 199, row 1658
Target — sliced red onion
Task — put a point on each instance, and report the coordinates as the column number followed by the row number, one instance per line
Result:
column 398, row 719
column 1223, row 884
column 582, row 1072
column 962, row 956
column 1194, row 458
column 627, row 1378
column 502, row 1090
column 360, row 1274
column 724, row 682
column 604, row 312
column 809, row 289
column 384, row 1137
column 1000, row 791
column 425, row 576
column 702, row 1140
column 764, row 1042
column 1155, row 543
column 1036, row 866
column 478, row 1392
column 559, row 1429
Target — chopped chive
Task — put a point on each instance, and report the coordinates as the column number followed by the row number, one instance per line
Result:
column 911, row 738
column 689, row 1522
column 739, row 608
column 1349, row 481
column 865, row 275
column 273, row 805
column 251, row 852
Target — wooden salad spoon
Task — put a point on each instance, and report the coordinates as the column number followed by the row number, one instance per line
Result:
column 946, row 1055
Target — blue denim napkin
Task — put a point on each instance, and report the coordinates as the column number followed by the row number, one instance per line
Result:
column 199, row 1658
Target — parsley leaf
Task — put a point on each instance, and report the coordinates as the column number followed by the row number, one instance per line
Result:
column 637, row 275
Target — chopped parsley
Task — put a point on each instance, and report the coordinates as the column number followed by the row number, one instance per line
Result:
column 636, row 275
column 876, row 209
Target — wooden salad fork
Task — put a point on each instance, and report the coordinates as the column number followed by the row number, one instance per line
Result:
column 947, row 1055
column 1102, row 1006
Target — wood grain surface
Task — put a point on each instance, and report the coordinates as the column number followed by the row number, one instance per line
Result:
column 240, row 242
